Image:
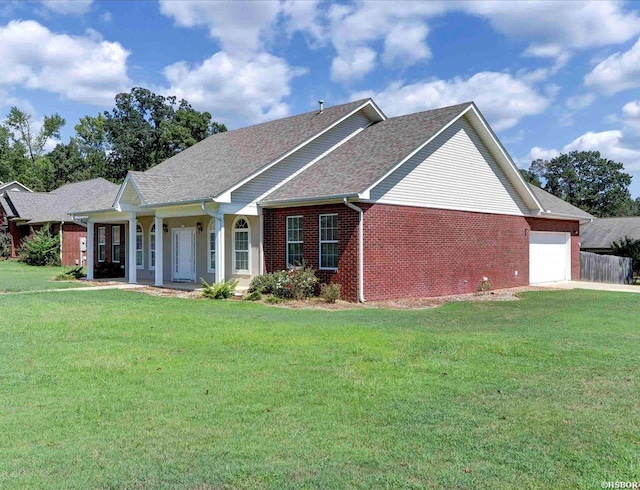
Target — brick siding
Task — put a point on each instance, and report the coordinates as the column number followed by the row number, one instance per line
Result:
column 418, row 252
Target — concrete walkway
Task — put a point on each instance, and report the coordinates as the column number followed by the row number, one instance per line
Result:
column 597, row 286
column 88, row 288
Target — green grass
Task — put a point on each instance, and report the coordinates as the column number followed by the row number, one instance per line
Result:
column 16, row 276
column 117, row 389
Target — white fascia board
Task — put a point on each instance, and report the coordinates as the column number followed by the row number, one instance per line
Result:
column 368, row 103
column 309, row 201
column 368, row 190
column 509, row 166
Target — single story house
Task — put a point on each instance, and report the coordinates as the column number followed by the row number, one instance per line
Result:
column 28, row 211
column 598, row 235
column 426, row 204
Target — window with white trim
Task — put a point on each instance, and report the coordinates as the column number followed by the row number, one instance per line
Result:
column 211, row 246
column 241, row 245
column 115, row 244
column 139, row 246
column 152, row 247
column 102, row 244
column 294, row 241
column 328, row 241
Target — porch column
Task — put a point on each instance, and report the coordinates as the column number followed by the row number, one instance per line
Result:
column 159, row 240
column 220, row 257
column 131, row 259
column 89, row 251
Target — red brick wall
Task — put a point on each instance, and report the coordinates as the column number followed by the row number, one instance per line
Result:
column 18, row 233
column 418, row 252
column 573, row 227
column 72, row 232
column 275, row 226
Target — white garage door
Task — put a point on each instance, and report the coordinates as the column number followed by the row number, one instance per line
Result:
column 549, row 257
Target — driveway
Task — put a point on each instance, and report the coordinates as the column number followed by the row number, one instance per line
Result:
column 598, row 286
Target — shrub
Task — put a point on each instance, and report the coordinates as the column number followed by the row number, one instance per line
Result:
column 41, row 248
column 628, row 247
column 295, row 283
column 73, row 273
column 484, row 286
column 5, row 245
column 253, row 296
column 108, row 270
column 220, row 290
column 263, row 283
column 274, row 300
column 330, row 292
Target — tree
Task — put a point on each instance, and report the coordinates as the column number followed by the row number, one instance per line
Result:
column 586, row 180
column 530, row 177
column 22, row 126
column 145, row 129
column 628, row 247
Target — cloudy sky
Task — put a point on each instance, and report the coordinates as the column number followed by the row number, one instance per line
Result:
column 549, row 76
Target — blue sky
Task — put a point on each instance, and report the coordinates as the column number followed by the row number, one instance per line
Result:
column 549, row 76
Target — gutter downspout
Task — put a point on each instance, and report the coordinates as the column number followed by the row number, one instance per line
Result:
column 61, row 230
column 360, row 248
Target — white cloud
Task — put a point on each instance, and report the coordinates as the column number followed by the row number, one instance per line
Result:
column 578, row 102
column 618, row 72
column 106, row 17
column 68, row 7
column 79, row 68
column 632, row 109
column 405, row 44
column 354, row 64
column 538, row 153
column 239, row 26
column 237, row 89
column 502, row 98
column 610, row 144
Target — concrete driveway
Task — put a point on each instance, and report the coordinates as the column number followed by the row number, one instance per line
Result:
column 598, row 286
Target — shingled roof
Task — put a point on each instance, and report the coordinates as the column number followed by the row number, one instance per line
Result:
column 555, row 205
column 48, row 207
column 601, row 232
column 364, row 159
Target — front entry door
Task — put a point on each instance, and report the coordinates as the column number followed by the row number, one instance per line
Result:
column 184, row 254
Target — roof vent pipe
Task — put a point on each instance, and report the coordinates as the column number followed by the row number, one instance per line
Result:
column 321, row 104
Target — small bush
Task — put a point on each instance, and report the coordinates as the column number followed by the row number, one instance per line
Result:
column 40, row 248
column 264, row 283
column 5, row 245
column 253, row 296
column 108, row 270
column 484, row 286
column 330, row 292
column 220, row 290
column 274, row 300
column 73, row 273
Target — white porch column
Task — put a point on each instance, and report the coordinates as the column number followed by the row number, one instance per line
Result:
column 159, row 257
column 220, row 257
column 89, row 252
column 131, row 259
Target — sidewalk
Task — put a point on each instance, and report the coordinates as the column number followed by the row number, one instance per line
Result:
column 597, row 286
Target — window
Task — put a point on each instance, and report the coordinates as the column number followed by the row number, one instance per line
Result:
column 152, row 247
column 211, row 247
column 102, row 244
column 139, row 247
column 294, row 241
column 241, row 245
column 328, row 241
column 115, row 244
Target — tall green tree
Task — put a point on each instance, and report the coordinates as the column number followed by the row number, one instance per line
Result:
column 145, row 128
column 587, row 180
column 23, row 129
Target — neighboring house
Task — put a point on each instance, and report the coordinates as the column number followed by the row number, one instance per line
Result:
column 27, row 211
column 426, row 204
column 598, row 235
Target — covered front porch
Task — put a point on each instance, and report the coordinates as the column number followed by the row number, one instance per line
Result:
column 175, row 246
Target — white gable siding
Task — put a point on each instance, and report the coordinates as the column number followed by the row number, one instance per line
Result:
column 129, row 195
column 273, row 177
column 454, row 171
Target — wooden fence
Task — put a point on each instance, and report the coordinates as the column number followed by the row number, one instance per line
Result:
column 605, row 268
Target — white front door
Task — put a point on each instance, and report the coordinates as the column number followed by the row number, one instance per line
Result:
column 184, row 254
column 549, row 257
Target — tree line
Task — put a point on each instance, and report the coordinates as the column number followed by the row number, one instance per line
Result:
column 142, row 130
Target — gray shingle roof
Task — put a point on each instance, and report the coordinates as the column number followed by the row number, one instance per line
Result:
column 603, row 231
column 54, row 206
column 365, row 158
column 555, row 205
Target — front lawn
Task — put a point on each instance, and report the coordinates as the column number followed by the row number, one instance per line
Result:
column 16, row 276
column 117, row 389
